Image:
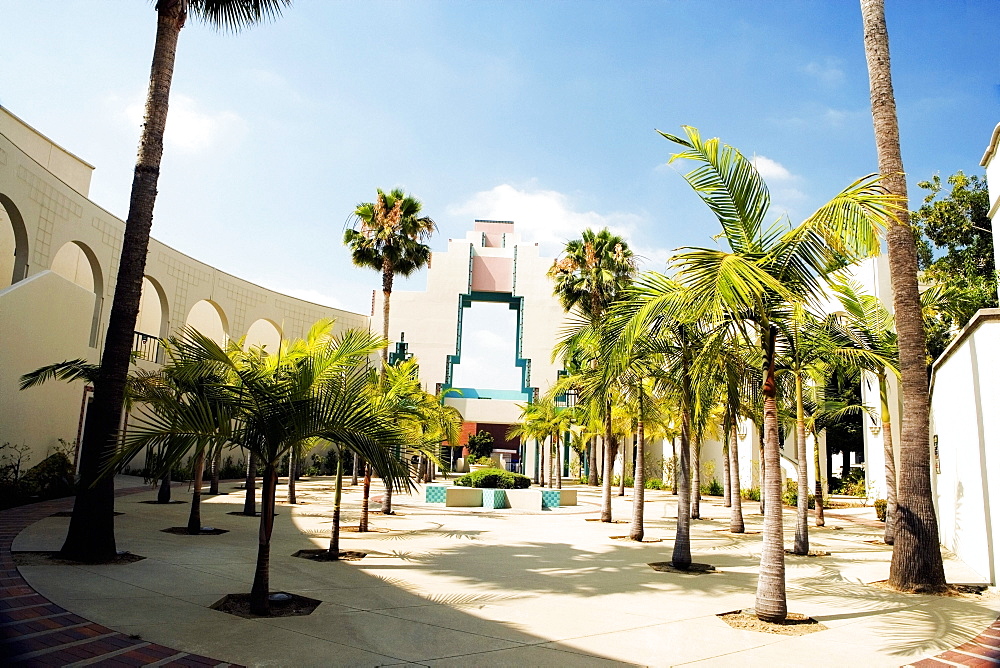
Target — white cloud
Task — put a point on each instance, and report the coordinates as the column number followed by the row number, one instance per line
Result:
column 771, row 170
column 190, row 129
column 545, row 217
column 828, row 72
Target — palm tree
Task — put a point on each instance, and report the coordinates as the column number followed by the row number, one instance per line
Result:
column 91, row 535
column 870, row 326
column 313, row 389
column 653, row 325
column 591, row 274
column 766, row 268
column 388, row 237
column 916, row 554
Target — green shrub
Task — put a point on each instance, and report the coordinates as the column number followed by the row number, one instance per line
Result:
column 790, row 497
column 654, row 483
column 713, row 488
column 750, row 494
column 881, row 505
column 494, row 479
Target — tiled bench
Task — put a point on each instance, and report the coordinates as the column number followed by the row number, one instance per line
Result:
column 467, row 497
column 525, row 499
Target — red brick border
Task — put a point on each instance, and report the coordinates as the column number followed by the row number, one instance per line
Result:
column 36, row 632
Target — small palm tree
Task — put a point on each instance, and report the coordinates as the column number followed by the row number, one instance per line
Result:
column 311, row 389
column 871, row 328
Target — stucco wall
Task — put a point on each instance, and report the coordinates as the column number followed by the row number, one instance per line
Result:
column 43, row 195
column 965, row 421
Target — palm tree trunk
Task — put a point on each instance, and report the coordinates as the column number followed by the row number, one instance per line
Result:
column 387, row 276
column 250, row 502
column 91, row 534
column 639, row 491
column 559, row 462
column 820, row 519
column 363, row 523
column 916, row 556
column 259, row 602
column 387, row 500
column 354, row 471
column 291, row 477
column 337, row 502
column 890, row 462
column 696, row 480
column 592, row 476
column 681, row 557
column 621, row 480
column 674, row 465
column 194, row 519
column 802, row 508
column 609, row 463
column 163, row 494
column 216, row 464
column 736, row 511
column 727, row 487
column 760, row 466
column 771, row 604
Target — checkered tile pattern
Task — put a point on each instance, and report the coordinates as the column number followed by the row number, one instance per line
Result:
column 494, row 498
column 435, row 494
column 550, row 498
column 36, row 632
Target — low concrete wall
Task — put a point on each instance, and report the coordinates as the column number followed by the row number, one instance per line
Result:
column 465, row 497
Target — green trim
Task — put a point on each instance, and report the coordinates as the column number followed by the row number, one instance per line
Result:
column 515, row 304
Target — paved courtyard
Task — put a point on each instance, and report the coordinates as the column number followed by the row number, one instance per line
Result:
column 453, row 586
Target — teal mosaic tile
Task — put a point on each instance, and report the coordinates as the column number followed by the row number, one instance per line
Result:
column 434, row 494
column 550, row 498
column 494, row 498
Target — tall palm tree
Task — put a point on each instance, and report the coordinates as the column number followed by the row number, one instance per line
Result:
column 916, row 555
column 317, row 389
column 388, row 237
column 590, row 275
column 766, row 268
column 91, row 535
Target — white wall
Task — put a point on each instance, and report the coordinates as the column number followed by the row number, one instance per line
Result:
column 965, row 420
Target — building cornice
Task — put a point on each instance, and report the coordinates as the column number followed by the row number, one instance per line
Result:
column 992, row 148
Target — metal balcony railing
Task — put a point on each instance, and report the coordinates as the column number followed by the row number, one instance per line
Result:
column 147, row 347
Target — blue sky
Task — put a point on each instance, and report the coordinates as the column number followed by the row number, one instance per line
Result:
column 539, row 112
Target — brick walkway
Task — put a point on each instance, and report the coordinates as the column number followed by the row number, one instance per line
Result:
column 36, row 632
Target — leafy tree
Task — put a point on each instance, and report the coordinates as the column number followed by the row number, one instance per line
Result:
column 91, row 535
column 955, row 220
column 480, row 444
column 916, row 556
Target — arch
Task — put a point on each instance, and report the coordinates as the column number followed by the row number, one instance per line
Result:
column 264, row 333
column 208, row 318
column 76, row 261
column 13, row 244
column 154, row 311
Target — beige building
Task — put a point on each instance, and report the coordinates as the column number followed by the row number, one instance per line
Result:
column 58, row 263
